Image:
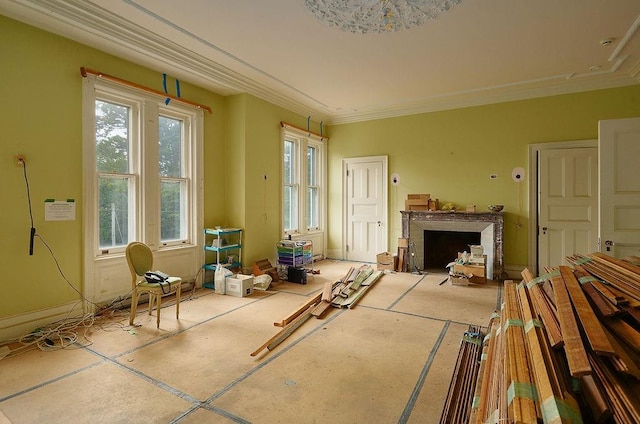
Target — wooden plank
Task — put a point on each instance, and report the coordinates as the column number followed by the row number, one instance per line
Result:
column 285, row 332
column 590, row 323
column 625, row 332
column 326, row 293
column 522, row 408
column 573, row 346
column 624, row 362
column 320, row 309
column 545, row 310
column 548, row 387
column 603, row 306
column 293, row 315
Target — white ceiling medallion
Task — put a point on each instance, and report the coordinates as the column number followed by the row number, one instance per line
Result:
column 363, row 16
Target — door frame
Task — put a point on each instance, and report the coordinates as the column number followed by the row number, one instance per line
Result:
column 385, row 198
column 534, row 207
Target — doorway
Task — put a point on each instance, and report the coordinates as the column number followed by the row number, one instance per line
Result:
column 563, row 194
column 365, row 207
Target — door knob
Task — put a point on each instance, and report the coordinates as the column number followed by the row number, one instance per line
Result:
column 608, row 244
column 544, row 230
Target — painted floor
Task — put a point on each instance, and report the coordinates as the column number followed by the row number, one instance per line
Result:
column 389, row 359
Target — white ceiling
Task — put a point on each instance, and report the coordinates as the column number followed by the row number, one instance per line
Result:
column 479, row 52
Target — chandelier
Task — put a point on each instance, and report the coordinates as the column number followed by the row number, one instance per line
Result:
column 363, row 16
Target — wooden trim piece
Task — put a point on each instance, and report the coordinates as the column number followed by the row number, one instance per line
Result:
column 299, row 311
column 286, row 125
column 285, row 332
column 86, row 71
column 590, row 323
column 573, row 346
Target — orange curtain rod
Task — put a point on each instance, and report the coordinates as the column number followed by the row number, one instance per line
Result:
column 287, row 125
column 85, row 71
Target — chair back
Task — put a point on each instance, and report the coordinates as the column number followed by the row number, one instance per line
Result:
column 139, row 258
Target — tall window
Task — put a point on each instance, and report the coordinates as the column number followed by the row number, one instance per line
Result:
column 173, row 180
column 313, row 188
column 303, row 167
column 116, row 180
column 144, row 170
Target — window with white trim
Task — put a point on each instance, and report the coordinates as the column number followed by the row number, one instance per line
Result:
column 303, row 167
column 143, row 182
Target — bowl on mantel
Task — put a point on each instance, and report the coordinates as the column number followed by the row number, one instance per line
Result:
column 495, row 208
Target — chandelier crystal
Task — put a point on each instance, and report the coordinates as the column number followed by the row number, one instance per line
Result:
column 363, row 16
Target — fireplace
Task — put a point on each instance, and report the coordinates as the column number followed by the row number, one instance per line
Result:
column 488, row 227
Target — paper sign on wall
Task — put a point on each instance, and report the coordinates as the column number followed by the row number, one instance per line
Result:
column 59, row 210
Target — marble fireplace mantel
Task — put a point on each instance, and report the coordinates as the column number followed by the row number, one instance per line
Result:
column 490, row 225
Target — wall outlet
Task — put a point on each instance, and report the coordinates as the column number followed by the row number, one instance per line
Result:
column 19, row 159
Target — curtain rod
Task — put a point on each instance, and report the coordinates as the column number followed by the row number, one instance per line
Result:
column 85, row 71
column 287, row 125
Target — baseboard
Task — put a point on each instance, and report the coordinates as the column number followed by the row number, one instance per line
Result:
column 514, row 271
column 20, row 325
column 335, row 254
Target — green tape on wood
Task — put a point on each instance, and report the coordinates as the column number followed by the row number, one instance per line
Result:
column 521, row 390
column 514, row 322
column 588, row 279
column 472, row 339
column 554, row 409
column 493, row 418
column 583, row 261
column 476, row 402
column 532, row 323
column 483, row 357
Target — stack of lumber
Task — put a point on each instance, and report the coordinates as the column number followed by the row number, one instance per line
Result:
column 344, row 293
column 565, row 347
column 456, row 408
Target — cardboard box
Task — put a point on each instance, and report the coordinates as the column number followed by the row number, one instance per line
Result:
column 416, row 207
column 458, row 280
column 386, row 260
column 418, row 196
column 477, row 272
column 239, row 285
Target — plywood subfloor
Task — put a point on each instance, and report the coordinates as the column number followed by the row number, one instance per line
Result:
column 389, row 359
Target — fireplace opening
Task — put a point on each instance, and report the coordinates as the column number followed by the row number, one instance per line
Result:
column 442, row 247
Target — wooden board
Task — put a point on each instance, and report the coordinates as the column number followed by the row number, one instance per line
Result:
column 590, row 323
column 573, row 346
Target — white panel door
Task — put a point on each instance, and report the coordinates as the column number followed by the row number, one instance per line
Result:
column 568, row 220
column 366, row 208
column 619, row 144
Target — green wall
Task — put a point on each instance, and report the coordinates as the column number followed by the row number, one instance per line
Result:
column 448, row 154
column 451, row 154
column 41, row 110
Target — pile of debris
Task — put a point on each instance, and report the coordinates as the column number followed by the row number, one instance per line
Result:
column 344, row 293
column 565, row 345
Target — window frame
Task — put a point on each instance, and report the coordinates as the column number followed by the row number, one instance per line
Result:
column 301, row 142
column 143, row 167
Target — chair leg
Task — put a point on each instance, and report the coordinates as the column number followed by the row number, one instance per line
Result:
column 134, row 305
column 151, row 301
column 158, row 307
column 178, row 294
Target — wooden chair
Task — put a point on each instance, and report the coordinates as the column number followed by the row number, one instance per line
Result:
column 140, row 261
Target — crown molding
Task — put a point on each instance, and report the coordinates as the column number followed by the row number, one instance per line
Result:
column 93, row 25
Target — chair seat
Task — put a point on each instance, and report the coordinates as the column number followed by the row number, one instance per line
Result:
column 171, row 280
